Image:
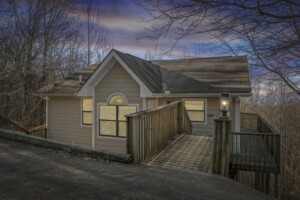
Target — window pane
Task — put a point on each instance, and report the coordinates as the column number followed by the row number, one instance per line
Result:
column 124, row 110
column 194, row 105
column 108, row 128
column 87, row 104
column 108, row 112
column 196, row 116
column 87, row 117
column 122, row 129
column 117, row 100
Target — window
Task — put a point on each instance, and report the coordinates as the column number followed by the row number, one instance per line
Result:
column 112, row 120
column 87, row 115
column 195, row 110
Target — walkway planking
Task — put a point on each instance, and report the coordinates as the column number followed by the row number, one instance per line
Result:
column 188, row 153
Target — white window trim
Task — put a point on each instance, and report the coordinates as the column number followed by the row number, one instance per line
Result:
column 205, row 110
column 106, row 104
column 81, row 111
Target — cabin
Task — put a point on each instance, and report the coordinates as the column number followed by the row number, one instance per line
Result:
column 89, row 109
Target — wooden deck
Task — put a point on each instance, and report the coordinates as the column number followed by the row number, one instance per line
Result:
column 187, row 153
column 253, row 151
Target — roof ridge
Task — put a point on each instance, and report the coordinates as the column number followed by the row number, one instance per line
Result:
column 157, row 67
column 131, row 55
column 197, row 58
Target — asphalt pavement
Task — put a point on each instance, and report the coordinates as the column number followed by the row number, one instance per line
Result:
column 29, row 172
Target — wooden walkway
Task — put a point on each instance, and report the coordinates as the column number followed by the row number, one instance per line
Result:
column 187, row 153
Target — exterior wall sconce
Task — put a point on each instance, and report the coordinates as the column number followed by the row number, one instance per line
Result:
column 224, row 104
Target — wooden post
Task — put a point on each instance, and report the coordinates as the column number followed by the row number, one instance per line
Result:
column 133, row 138
column 222, row 144
column 276, row 186
column 180, row 118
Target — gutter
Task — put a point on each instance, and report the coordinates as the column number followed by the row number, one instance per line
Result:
column 200, row 94
column 53, row 94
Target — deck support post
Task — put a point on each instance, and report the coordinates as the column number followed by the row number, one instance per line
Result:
column 222, row 143
column 276, row 186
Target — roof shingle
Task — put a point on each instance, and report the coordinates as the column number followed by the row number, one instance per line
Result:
column 199, row 75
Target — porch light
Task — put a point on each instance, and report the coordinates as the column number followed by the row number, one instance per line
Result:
column 224, row 104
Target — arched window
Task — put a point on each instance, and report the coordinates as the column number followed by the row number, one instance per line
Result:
column 117, row 100
column 112, row 120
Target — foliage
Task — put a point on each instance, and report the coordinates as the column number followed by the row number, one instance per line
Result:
column 267, row 31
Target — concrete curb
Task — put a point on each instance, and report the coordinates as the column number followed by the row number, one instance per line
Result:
column 77, row 150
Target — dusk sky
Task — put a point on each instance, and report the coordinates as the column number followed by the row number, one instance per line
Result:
column 126, row 24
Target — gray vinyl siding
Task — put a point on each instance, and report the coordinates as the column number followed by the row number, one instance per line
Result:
column 212, row 113
column 64, row 122
column 117, row 80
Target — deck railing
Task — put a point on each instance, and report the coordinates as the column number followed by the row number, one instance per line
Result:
column 39, row 131
column 264, row 134
column 256, row 152
column 8, row 124
column 256, row 122
column 149, row 131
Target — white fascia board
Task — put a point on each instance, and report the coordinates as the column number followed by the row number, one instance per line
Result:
column 199, row 94
column 57, row 95
column 86, row 89
column 103, row 69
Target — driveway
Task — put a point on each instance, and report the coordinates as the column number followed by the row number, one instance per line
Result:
column 28, row 172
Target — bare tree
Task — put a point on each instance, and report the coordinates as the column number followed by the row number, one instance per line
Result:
column 268, row 31
column 97, row 41
column 35, row 42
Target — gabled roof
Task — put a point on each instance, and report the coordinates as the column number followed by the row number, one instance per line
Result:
column 200, row 75
column 224, row 73
column 146, row 71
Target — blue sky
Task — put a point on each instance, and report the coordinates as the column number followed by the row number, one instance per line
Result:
column 126, row 24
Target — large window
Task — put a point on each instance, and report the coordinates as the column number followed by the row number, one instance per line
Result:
column 86, row 111
column 112, row 120
column 195, row 110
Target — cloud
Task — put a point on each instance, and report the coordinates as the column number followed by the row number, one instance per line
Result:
column 125, row 23
column 113, row 15
column 128, row 23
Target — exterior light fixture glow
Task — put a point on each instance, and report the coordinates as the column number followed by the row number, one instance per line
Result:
column 224, row 104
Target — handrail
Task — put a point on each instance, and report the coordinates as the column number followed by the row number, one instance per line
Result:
column 267, row 124
column 169, row 105
column 261, row 122
column 251, row 133
column 37, row 128
column 6, row 123
column 149, row 131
